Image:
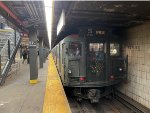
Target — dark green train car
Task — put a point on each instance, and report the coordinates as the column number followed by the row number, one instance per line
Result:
column 90, row 66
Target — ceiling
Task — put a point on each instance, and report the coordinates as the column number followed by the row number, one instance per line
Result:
column 25, row 14
column 77, row 14
column 99, row 13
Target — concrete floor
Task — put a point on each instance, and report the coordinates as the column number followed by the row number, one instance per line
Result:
column 18, row 96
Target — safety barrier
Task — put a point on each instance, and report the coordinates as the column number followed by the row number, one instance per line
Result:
column 7, row 56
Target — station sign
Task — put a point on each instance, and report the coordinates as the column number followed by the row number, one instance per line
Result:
column 32, row 44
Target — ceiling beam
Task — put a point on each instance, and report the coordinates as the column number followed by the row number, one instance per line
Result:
column 103, row 13
column 5, row 8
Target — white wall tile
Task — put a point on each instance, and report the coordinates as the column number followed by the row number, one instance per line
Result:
column 138, row 86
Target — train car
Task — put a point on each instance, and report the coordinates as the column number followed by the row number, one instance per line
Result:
column 90, row 66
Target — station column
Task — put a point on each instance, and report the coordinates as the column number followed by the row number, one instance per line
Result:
column 44, row 54
column 33, row 55
column 41, row 52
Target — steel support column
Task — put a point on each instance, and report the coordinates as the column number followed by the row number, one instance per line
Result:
column 44, row 55
column 33, row 55
column 41, row 52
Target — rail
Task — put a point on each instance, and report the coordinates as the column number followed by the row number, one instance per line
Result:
column 130, row 103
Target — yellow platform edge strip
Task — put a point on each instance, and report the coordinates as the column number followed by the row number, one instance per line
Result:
column 6, row 30
column 33, row 81
column 55, row 100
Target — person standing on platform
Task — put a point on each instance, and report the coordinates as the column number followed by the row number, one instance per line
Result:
column 24, row 54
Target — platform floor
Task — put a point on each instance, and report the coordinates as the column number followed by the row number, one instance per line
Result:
column 18, row 96
column 47, row 96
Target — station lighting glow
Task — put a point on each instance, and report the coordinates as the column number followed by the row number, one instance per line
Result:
column 48, row 12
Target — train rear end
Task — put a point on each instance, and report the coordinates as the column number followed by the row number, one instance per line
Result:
column 90, row 65
column 94, row 67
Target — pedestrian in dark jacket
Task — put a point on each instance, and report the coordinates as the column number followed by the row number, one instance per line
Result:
column 24, row 54
column 28, row 57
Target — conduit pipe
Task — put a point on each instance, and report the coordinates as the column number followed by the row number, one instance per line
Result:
column 5, row 8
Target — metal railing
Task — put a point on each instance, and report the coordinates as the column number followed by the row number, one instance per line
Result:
column 7, row 56
column 4, row 54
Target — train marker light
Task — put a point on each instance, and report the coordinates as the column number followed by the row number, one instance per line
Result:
column 112, row 77
column 82, row 78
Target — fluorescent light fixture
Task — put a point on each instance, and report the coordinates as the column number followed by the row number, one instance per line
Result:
column 61, row 22
column 48, row 13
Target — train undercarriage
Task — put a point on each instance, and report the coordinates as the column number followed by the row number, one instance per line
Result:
column 92, row 93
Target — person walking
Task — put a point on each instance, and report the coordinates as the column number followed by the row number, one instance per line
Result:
column 24, row 54
column 28, row 56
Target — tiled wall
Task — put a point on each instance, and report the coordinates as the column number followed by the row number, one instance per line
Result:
column 137, row 47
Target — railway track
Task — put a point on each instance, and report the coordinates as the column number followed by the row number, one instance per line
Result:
column 104, row 106
column 119, row 103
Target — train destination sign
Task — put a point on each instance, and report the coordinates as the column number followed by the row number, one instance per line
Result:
column 93, row 32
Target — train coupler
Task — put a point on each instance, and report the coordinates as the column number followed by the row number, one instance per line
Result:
column 94, row 95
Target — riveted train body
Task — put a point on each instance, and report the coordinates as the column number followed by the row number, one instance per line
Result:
column 90, row 66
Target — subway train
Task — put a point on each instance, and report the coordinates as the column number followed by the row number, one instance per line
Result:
column 90, row 65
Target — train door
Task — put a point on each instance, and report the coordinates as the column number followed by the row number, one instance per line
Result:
column 74, row 60
column 95, row 62
column 58, row 56
column 63, row 62
column 59, row 63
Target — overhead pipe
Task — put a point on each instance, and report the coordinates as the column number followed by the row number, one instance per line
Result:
column 31, row 8
column 40, row 14
column 28, row 9
column 35, row 10
column 4, row 7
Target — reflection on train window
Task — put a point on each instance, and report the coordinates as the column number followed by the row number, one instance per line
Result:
column 75, row 49
column 96, row 47
column 95, row 61
column 114, row 49
column 96, row 51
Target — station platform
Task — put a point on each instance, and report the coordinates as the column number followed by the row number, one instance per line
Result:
column 47, row 96
column 55, row 99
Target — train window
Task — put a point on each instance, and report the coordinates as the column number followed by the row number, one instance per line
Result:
column 75, row 49
column 96, row 47
column 96, row 51
column 114, row 49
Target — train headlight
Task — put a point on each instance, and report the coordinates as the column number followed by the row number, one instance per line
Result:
column 114, row 51
column 120, row 69
column 69, row 71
